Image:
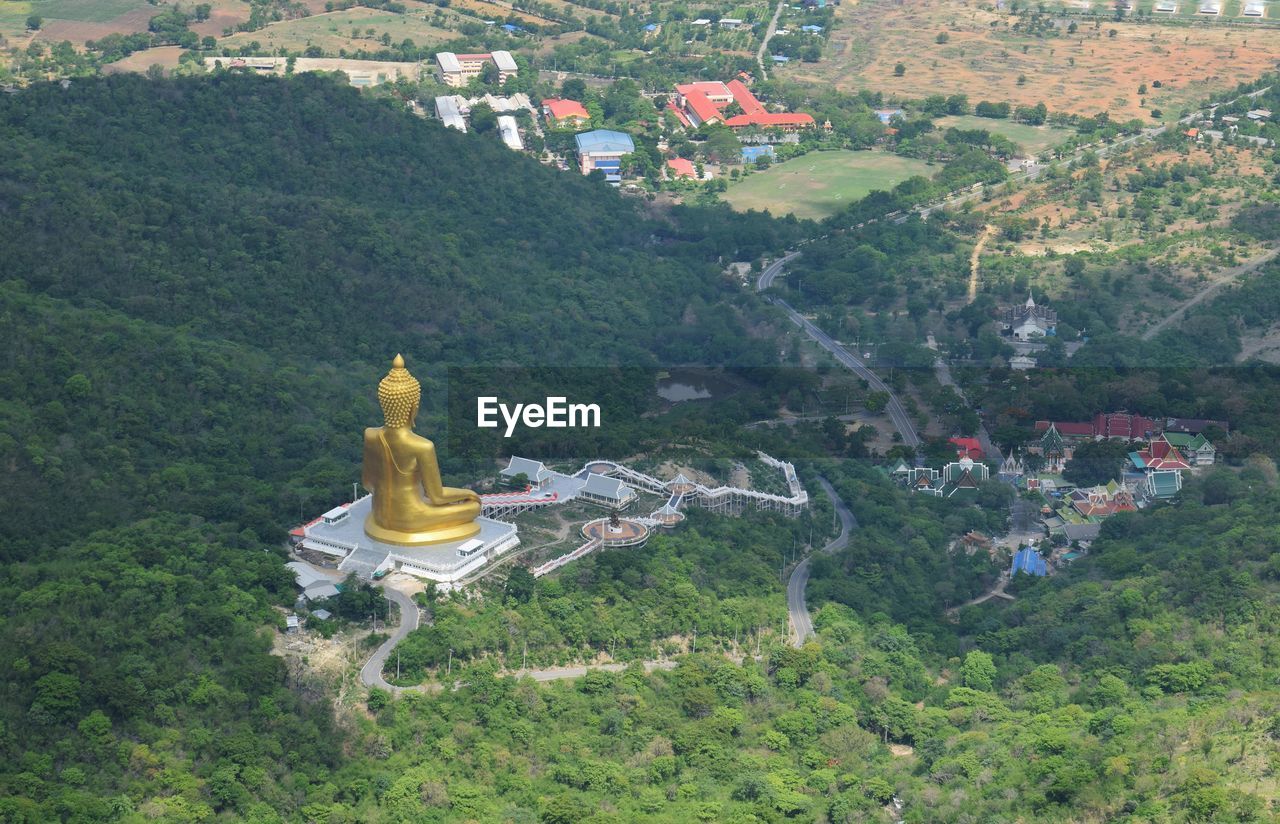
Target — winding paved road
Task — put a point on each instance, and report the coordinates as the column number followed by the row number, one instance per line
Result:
column 801, row 621
column 371, row 674
column 897, row 414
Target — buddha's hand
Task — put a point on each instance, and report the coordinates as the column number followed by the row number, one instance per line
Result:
column 463, row 496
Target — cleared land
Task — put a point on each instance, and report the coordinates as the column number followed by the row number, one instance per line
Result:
column 75, row 20
column 1032, row 139
column 1085, row 73
column 819, row 184
column 333, row 32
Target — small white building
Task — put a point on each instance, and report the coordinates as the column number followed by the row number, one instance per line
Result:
column 449, row 110
column 510, row 133
column 1022, row 363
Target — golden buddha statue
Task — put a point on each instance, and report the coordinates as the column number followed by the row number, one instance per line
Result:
column 410, row 506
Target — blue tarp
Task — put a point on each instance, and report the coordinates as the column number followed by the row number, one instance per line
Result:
column 1028, row 560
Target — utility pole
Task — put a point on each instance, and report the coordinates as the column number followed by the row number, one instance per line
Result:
column 449, row 671
column 524, row 662
column 695, row 639
column 397, row 665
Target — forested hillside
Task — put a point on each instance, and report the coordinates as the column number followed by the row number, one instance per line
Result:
column 200, row 283
column 203, row 279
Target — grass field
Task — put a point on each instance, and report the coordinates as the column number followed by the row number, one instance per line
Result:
column 85, row 11
column 820, row 184
column 1090, row 72
column 1032, row 139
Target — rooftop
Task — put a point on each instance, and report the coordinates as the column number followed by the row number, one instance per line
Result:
column 504, row 61
column 682, row 167
column 559, row 109
column 604, row 141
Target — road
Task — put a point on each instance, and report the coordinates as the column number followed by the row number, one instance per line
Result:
column 801, row 621
column 989, row 448
column 897, row 414
column 371, row 674
column 1228, row 277
column 768, row 35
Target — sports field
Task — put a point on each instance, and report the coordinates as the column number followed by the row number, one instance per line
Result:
column 1032, row 139
column 820, row 184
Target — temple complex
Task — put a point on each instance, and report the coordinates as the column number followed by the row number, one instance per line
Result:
column 410, row 522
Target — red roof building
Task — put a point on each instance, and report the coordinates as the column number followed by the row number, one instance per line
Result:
column 745, row 99
column 1159, row 455
column 682, row 167
column 704, row 102
column 700, row 109
column 968, row 448
column 681, row 116
column 564, row 111
column 1120, row 425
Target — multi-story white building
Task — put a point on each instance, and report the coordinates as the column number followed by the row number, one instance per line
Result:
column 458, row 69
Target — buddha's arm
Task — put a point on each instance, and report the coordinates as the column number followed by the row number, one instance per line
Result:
column 429, row 474
column 372, row 460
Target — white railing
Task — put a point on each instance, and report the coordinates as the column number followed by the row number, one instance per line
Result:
column 556, row 563
column 329, row 546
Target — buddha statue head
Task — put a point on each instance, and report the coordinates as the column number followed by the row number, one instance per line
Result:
column 399, row 395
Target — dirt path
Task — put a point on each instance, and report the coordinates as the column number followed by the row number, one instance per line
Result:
column 1230, row 276
column 768, row 35
column 996, row 591
column 988, row 232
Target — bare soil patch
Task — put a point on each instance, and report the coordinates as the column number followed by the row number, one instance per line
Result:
column 164, row 56
column 1084, row 73
column 79, row 32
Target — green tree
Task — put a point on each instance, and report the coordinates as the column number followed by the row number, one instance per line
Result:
column 978, row 671
column 1096, row 462
column 483, row 118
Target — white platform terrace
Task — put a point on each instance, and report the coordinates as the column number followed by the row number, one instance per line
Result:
column 448, row 562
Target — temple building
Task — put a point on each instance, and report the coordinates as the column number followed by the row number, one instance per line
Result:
column 1195, row 448
column 1102, row 501
column 535, row 472
column 1028, row 321
column 962, row 476
column 1053, row 448
column 606, row 491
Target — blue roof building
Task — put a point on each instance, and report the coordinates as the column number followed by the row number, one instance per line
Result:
column 812, row 29
column 781, row 58
column 1028, row 560
column 603, row 149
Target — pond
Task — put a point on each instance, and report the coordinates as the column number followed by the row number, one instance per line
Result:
column 692, row 385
